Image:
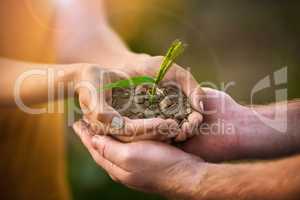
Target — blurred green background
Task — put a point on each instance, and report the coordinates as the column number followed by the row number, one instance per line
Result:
column 239, row 41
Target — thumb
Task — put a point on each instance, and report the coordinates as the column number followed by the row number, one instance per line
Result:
column 107, row 117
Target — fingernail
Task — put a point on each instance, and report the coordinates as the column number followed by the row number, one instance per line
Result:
column 201, row 106
column 117, row 123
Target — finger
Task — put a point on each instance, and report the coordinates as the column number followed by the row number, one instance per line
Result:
column 94, row 101
column 81, row 129
column 135, row 130
column 149, row 128
column 182, row 136
column 128, row 139
column 195, row 119
column 107, row 117
column 196, row 98
column 110, row 149
column 190, row 128
column 191, row 88
column 95, row 127
column 89, row 88
column 115, row 172
column 99, row 110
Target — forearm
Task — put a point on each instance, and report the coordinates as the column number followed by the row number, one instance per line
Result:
column 87, row 36
column 104, row 48
column 274, row 180
column 278, row 136
column 33, row 83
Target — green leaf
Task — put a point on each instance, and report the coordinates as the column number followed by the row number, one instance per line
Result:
column 173, row 52
column 132, row 82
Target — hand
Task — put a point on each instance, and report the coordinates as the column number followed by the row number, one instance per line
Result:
column 102, row 118
column 137, row 65
column 145, row 165
column 218, row 135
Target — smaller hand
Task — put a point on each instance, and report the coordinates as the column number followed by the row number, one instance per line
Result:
column 100, row 115
column 145, row 165
column 103, row 119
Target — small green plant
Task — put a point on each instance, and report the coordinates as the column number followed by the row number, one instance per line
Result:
column 173, row 52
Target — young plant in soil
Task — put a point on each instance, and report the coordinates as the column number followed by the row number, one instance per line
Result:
column 146, row 97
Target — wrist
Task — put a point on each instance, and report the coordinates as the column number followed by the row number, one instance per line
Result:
column 66, row 75
column 204, row 180
column 186, row 183
column 121, row 60
column 82, row 72
column 134, row 61
column 223, row 181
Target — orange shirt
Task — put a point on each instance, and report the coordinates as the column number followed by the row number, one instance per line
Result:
column 32, row 164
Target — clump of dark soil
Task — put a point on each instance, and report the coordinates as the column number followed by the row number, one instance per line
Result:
column 169, row 102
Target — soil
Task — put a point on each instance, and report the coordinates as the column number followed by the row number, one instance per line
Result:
column 168, row 102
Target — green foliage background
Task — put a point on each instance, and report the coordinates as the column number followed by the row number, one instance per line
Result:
column 241, row 41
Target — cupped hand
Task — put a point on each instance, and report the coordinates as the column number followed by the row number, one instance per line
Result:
column 145, row 165
column 218, row 136
column 100, row 115
column 103, row 118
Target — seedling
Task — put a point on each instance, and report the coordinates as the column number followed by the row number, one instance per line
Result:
column 173, row 52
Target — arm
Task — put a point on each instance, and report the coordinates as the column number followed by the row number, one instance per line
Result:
column 72, row 33
column 265, row 139
column 33, row 86
column 263, row 180
column 86, row 36
column 39, row 83
column 160, row 168
column 233, row 131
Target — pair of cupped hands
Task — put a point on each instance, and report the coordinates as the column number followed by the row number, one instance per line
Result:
column 135, row 153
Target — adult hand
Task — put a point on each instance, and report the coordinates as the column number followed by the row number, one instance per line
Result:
column 218, row 136
column 145, row 165
column 159, row 168
column 231, row 131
